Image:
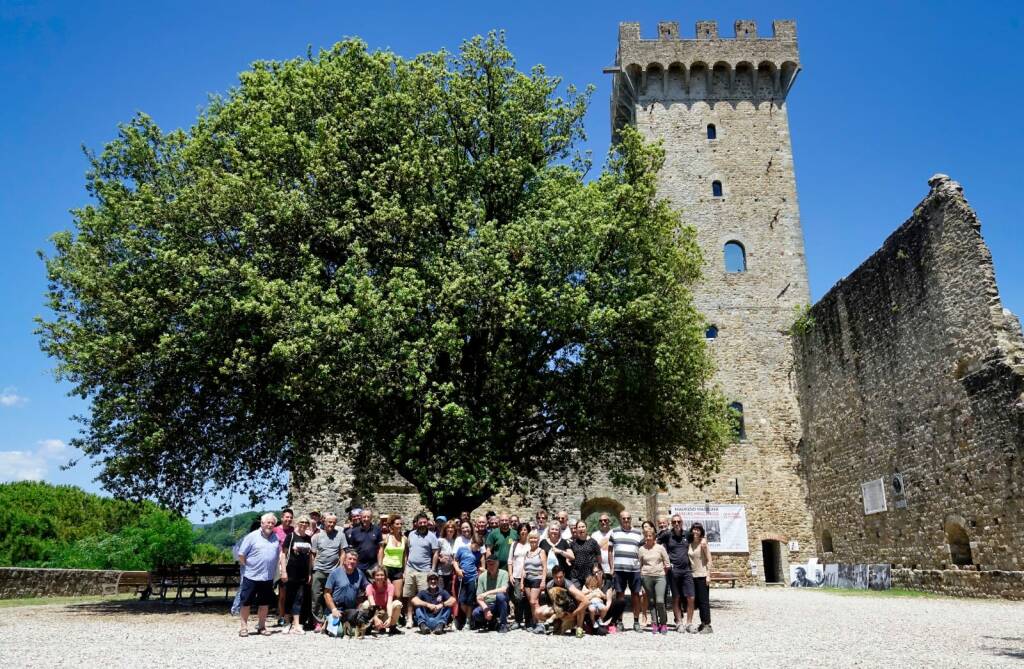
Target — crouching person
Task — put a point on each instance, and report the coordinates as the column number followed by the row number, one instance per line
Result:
column 345, row 586
column 492, row 598
column 433, row 606
column 381, row 593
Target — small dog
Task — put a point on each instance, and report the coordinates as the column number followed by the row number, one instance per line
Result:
column 354, row 622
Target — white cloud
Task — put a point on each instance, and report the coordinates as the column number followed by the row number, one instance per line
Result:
column 52, row 448
column 21, row 466
column 10, row 398
column 33, row 465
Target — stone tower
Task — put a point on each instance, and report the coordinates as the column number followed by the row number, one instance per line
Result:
column 719, row 107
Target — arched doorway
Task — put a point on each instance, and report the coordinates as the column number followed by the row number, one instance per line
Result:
column 592, row 509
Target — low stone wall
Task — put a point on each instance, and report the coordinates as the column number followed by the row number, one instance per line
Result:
column 18, row 582
column 962, row 582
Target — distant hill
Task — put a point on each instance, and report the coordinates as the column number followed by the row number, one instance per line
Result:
column 224, row 532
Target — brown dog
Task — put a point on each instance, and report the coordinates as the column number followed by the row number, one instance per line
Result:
column 563, row 609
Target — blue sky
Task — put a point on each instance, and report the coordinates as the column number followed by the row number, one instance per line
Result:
column 891, row 92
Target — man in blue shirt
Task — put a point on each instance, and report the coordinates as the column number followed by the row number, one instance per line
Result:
column 345, row 586
column 258, row 554
column 365, row 538
column 433, row 606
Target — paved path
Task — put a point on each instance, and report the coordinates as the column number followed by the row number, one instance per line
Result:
column 753, row 628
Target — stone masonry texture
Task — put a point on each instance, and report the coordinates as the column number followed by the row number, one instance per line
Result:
column 672, row 90
column 913, row 369
column 18, row 582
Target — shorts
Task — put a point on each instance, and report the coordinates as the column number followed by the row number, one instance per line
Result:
column 256, row 593
column 529, row 583
column 682, row 584
column 394, row 573
column 467, row 592
column 628, row 579
column 414, row 582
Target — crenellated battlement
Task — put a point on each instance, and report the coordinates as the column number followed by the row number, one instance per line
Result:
column 705, row 67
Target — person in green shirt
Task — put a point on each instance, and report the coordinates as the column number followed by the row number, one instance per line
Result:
column 492, row 597
column 500, row 540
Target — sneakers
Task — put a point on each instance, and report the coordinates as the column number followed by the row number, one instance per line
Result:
column 502, row 629
column 636, row 625
column 579, row 632
column 281, row 622
column 705, row 629
column 394, row 631
column 663, row 629
column 319, row 628
column 424, row 629
column 655, row 628
column 439, row 630
column 680, row 627
column 612, row 629
column 692, row 629
column 538, row 628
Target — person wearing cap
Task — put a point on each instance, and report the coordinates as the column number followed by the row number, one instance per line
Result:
column 433, row 606
column 492, row 597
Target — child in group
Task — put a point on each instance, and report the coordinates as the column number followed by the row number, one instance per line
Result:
column 597, row 602
column 467, row 566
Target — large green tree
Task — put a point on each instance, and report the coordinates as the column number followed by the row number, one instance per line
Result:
column 403, row 257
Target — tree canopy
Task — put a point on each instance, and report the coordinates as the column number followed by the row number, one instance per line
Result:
column 403, row 257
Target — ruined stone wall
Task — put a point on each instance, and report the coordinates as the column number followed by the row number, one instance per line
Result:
column 672, row 89
column 912, row 368
column 21, row 582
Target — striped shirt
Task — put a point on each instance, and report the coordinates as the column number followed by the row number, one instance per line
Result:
column 626, row 549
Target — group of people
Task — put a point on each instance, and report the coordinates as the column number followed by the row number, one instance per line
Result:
column 494, row 572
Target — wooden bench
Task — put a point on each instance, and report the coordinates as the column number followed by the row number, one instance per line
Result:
column 196, row 579
column 724, row 577
column 136, row 582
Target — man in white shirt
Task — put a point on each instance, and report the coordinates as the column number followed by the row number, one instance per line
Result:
column 603, row 536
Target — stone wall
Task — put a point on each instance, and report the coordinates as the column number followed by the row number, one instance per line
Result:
column 913, row 374
column 962, row 583
column 17, row 582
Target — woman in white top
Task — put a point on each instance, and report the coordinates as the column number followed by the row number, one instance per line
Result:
column 700, row 563
column 516, row 571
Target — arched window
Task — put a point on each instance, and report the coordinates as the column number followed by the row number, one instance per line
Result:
column 712, row 133
column 735, row 257
column 711, row 332
column 959, row 544
column 716, row 188
column 738, row 426
column 826, row 542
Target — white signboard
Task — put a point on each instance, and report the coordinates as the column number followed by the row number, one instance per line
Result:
column 874, row 496
column 725, row 524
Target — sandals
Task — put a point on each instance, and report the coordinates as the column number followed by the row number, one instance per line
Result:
column 243, row 632
column 263, row 631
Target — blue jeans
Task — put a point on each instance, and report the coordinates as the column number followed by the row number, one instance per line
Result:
column 433, row 621
column 499, row 607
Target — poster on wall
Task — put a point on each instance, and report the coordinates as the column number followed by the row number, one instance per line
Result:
column 832, row 575
column 725, row 524
column 810, row 575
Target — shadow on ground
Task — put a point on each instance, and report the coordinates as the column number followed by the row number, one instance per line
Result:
column 1015, row 651
column 212, row 606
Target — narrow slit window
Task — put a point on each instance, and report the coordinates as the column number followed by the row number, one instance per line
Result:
column 716, row 188
column 735, row 257
column 738, row 425
column 712, row 132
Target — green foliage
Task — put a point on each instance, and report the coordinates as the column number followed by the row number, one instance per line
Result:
column 400, row 255
column 63, row 526
column 804, row 320
column 211, row 554
column 223, row 533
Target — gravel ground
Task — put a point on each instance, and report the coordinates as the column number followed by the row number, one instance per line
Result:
column 753, row 628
